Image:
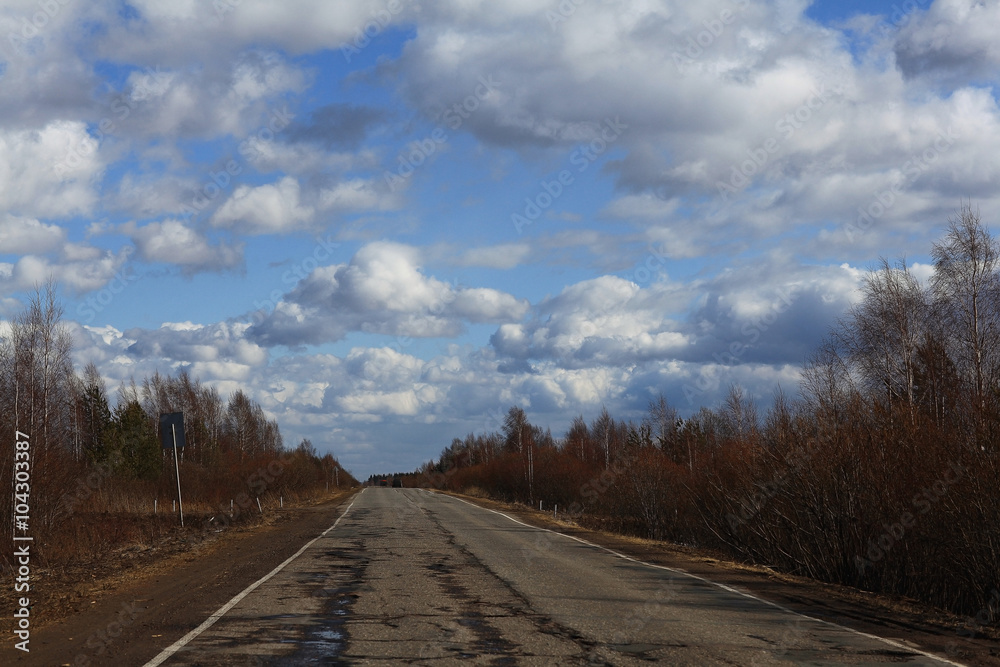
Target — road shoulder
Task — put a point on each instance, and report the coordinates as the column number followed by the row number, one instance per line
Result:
column 129, row 619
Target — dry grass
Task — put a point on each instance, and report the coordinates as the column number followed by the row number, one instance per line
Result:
column 113, row 519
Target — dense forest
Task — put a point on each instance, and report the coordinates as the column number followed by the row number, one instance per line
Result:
column 884, row 474
column 97, row 465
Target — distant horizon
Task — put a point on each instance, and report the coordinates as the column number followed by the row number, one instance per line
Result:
column 388, row 223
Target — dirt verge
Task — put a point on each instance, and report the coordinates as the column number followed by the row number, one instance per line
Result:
column 127, row 607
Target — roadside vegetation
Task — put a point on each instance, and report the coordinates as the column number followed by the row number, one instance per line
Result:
column 97, row 465
column 884, row 475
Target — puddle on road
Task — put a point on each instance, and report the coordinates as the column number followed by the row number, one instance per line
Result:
column 325, row 637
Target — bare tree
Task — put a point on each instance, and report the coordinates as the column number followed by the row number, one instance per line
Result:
column 827, row 383
column 248, row 429
column 665, row 419
column 602, row 430
column 577, row 440
column 519, row 436
column 883, row 333
column 42, row 370
column 741, row 414
column 514, row 425
column 967, row 297
column 37, row 396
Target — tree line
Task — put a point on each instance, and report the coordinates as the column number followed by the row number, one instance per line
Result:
column 92, row 454
column 884, row 474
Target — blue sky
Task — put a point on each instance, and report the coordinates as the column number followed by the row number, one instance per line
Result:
column 389, row 238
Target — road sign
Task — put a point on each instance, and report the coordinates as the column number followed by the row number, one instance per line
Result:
column 175, row 419
column 172, row 436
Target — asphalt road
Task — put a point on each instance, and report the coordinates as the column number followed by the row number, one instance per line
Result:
column 408, row 575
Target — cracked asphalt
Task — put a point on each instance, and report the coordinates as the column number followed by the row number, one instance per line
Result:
column 411, row 576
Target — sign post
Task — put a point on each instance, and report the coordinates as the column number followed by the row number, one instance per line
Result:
column 175, row 440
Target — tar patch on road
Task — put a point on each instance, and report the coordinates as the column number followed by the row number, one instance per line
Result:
column 489, row 640
column 325, row 639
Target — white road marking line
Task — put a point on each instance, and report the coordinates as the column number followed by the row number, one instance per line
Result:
column 210, row 621
column 724, row 587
